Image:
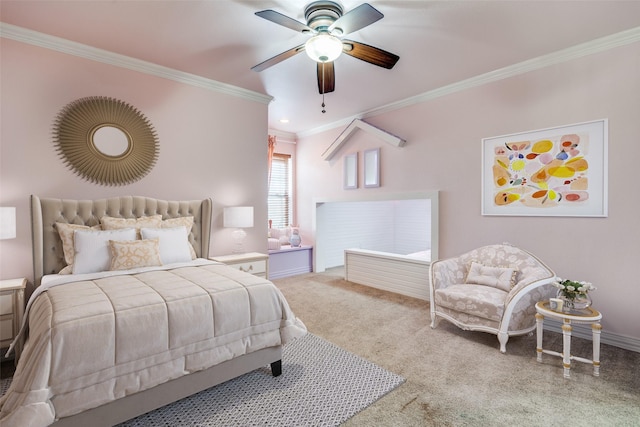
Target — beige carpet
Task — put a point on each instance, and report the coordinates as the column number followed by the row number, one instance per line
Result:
column 459, row 378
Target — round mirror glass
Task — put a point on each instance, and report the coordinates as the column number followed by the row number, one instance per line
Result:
column 111, row 141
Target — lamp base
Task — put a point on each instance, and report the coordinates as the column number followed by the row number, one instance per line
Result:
column 238, row 240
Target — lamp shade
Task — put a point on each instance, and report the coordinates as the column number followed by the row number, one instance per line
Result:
column 238, row 217
column 8, row 223
column 323, row 48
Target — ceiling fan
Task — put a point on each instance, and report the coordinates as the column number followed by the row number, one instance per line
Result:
column 327, row 24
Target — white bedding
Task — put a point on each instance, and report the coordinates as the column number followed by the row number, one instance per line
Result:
column 98, row 337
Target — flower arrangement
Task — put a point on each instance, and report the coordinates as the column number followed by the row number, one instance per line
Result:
column 570, row 289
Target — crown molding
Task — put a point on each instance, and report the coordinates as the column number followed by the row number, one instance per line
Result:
column 584, row 49
column 58, row 44
column 283, row 136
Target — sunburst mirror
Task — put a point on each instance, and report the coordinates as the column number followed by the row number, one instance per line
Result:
column 105, row 141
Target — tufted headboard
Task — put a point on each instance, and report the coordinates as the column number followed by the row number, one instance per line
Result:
column 48, row 257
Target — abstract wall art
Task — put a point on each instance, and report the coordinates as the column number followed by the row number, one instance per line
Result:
column 560, row 171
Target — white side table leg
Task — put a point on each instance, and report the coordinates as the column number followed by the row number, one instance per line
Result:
column 539, row 329
column 566, row 347
column 596, row 328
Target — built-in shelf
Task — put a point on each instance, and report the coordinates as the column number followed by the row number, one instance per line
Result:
column 290, row 261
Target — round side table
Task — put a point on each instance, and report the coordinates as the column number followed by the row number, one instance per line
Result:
column 589, row 315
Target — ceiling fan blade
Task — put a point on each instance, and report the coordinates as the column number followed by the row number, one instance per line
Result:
column 357, row 18
column 370, row 54
column 285, row 21
column 278, row 58
column 326, row 77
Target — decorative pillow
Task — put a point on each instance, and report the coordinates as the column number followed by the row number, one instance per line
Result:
column 128, row 254
column 66, row 235
column 273, row 244
column 498, row 277
column 92, row 248
column 186, row 221
column 282, row 234
column 111, row 223
column 174, row 245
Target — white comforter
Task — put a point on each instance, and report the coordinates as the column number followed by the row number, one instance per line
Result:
column 96, row 339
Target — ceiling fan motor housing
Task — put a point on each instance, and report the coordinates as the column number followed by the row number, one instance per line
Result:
column 320, row 15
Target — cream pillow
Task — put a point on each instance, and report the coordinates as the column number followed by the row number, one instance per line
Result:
column 65, row 231
column 128, row 254
column 497, row 277
column 174, row 246
column 92, row 248
column 185, row 221
column 111, row 223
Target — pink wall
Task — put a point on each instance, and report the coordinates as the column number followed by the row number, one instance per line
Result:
column 443, row 153
column 211, row 144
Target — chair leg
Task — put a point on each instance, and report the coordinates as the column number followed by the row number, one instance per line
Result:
column 434, row 320
column 503, row 337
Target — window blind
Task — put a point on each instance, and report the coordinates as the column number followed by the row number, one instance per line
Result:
column 279, row 201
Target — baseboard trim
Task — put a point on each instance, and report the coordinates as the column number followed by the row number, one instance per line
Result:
column 289, row 272
column 584, row 331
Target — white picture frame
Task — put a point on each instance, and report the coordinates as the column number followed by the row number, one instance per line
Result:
column 558, row 171
column 372, row 168
column 350, row 171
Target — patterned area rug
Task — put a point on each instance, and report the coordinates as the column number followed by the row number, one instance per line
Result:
column 321, row 385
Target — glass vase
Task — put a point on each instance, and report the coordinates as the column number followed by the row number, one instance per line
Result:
column 579, row 303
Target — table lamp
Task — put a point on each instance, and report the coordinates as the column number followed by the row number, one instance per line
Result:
column 7, row 223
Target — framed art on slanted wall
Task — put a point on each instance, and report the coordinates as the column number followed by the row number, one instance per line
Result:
column 560, row 171
column 351, row 171
column 372, row 168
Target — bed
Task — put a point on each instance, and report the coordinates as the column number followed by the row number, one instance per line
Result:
column 403, row 274
column 104, row 345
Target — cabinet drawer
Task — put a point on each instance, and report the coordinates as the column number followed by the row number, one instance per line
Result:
column 6, row 303
column 252, row 267
column 6, row 329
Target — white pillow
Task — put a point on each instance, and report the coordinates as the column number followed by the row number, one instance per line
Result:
column 174, row 243
column 187, row 221
column 66, row 236
column 92, row 248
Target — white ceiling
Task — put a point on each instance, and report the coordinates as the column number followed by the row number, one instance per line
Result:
column 439, row 43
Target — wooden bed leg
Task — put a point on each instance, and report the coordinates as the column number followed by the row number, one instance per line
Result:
column 276, row 368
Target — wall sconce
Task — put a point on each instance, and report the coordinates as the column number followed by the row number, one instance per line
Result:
column 7, row 223
column 238, row 217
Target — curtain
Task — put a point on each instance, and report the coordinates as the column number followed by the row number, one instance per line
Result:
column 272, row 147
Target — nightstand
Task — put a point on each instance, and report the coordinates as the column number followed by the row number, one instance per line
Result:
column 11, row 310
column 250, row 262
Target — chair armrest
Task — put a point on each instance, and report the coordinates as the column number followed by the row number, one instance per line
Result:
column 529, row 283
column 447, row 272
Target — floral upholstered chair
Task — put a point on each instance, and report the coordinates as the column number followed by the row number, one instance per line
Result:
column 490, row 289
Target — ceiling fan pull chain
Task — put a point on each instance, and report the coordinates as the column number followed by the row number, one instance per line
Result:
column 323, row 110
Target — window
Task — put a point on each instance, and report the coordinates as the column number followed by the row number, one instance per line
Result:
column 279, row 202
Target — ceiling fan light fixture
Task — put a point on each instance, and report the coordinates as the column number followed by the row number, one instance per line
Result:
column 323, row 47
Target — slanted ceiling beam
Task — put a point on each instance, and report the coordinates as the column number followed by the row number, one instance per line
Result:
column 352, row 128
